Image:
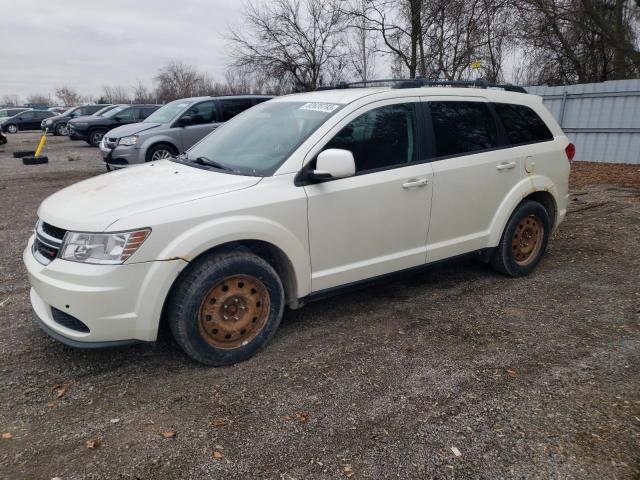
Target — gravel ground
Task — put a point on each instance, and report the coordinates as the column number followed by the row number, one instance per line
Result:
column 453, row 373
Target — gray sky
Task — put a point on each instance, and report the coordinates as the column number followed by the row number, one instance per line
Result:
column 86, row 43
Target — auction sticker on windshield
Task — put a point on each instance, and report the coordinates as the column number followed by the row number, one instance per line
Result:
column 320, row 107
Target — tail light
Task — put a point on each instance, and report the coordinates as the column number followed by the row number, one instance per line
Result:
column 570, row 151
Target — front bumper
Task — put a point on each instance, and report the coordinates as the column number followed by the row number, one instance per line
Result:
column 76, row 134
column 118, row 303
column 121, row 157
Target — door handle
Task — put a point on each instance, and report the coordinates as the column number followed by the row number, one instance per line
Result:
column 415, row 182
column 506, row 165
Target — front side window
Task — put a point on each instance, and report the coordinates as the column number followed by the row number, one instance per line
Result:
column 259, row 140
column 231, row 108
column 380, row 138
column 202, row 113
column 28, row 115
column 462, row 127
column 522, row 124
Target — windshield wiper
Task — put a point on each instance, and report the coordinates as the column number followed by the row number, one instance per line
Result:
column 212, row 163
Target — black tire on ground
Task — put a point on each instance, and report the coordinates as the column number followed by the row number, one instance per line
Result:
column 95, row 136
column 60, row 130
column 523, row 241
column 193, row 296
column 35, row 160
column 23, row 153
column 157, row 150
column 11, row 128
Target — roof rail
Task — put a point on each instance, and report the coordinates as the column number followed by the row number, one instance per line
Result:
column 422, row 82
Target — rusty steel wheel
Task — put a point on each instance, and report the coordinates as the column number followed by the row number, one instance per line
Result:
column 234, row 312
column 527, row 240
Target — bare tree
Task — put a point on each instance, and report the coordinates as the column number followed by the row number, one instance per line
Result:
column 115, row 94
column 297, row 40
column 569, row 41
column 10, row 100
column 37, row 99
column 361, row 41
column 68, row 96
column 179, row 80
column 141, row 94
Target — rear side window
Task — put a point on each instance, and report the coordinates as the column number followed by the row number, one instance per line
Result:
column 462, row 127
column 380, row 138
column 522, row 124
column 231, row 108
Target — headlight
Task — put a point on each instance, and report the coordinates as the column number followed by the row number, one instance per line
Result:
column 102, row 248
column 48, row 122
column 128, row 141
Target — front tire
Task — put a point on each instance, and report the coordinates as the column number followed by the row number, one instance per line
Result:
column 159, row 152
column 523, row 241
column 61, row 130
column 95, row 137
column 12, row 129
column 226, row 307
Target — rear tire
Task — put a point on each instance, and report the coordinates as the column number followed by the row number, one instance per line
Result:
column 226, row 307
column 523, row 241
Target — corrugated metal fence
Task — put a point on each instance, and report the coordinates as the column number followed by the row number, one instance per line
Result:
column 601, row 119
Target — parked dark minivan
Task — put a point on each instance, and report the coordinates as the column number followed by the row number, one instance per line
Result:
column 11, row 111
column 27, row 120
column 58, row 124
column 91, row 129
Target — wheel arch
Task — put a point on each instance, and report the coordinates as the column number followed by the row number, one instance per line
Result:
column 535, row 187
column 158, row 140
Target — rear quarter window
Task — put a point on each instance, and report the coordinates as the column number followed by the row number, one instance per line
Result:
column 462, row 127
column 522, row 124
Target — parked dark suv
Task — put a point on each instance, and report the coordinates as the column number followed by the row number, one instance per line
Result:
column 29, row 120
column 58, row 124
column 91, row 129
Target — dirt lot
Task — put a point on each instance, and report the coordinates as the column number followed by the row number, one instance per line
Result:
column 537, row 377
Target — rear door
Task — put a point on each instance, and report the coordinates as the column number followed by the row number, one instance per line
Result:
column 473, row 173
column 204, row 116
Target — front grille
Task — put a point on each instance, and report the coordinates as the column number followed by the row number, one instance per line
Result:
column 110, row 142
column 48, row 242
column 55, row 232
column 68, row 321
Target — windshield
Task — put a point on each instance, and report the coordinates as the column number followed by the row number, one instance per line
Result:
column 69, row 111
column 113, row 112
column 259, row 140
column 102, row 111
column 168, row 112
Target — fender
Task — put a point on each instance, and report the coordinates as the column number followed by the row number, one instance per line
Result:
column 202, row 237
column 524, row 188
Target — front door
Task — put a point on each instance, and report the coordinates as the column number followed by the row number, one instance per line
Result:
column 203, row 122
column 375, row 222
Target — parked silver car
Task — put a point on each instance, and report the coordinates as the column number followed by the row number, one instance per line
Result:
column 171, row 129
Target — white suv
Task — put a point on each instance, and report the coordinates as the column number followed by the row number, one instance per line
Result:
column 291, row 200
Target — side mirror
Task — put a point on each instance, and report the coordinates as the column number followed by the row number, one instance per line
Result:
column 185, row 120
column 333, row 163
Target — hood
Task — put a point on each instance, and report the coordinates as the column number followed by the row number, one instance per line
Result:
column 131, row 129
column 94, row 204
